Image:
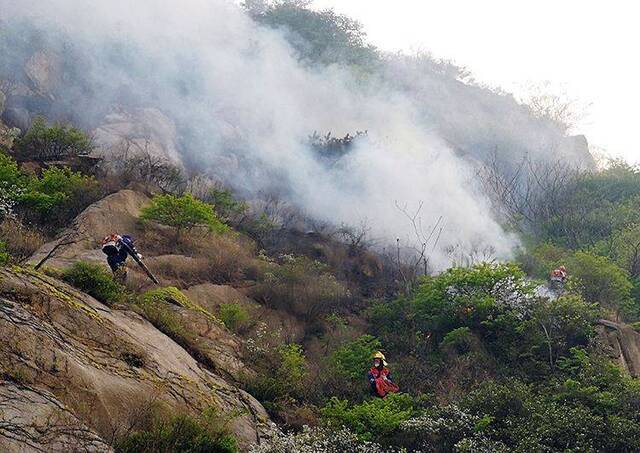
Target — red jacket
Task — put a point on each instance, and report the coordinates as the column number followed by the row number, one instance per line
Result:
column 381, row 382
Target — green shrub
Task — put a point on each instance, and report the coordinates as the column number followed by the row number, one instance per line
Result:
column 207, row 432
column 459, row 340
column 96, row 281
column 280, row 376
column 182, row 214
column 352, row 360
column 234, row 316
column 9, row 172
column 373, row 420
column 46, row 143
column 4, row 256
column 558, row 325
column 58, row 195
column 600, row 281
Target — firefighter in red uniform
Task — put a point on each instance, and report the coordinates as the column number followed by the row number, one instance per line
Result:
column 559, row 275
column 379, row 376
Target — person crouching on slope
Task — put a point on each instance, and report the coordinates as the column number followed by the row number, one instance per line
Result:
column 379, row 376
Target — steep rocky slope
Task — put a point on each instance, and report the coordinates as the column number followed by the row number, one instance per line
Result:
column 87, row 363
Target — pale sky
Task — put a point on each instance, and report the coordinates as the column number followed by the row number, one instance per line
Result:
column 587, row 49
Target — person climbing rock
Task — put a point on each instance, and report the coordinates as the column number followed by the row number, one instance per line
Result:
column 118, row 248
column 379, row 376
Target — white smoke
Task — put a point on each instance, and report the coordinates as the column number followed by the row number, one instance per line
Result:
column 251, row 107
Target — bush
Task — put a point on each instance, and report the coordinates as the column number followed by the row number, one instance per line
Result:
column 352, row 360
column 459, row 340
column 11, row 184
column 600, row 281
column 182, row 214
column 558, row 325
column 302, row 287
column 443, row 429
column 96, row 281
column 280, row 378
column 310, row 440
column 234, row 316
column 4, row 256
column 207, row 432
column 58, row 195
column 376, row 419
column 57, row 142
column 348, row 367
column 21, row 241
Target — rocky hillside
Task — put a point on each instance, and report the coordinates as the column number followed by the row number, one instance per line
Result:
column 88, row 365
column 91, row 369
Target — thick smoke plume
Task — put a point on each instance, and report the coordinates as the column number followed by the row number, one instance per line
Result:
column 244, row 108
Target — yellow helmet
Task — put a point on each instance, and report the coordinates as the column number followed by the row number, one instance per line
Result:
column 380, row 355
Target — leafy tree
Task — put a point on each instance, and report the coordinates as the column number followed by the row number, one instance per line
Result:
column 623, row 248
column 59, row 141
column 319, row 37
column 182, row 214
column 485, row 297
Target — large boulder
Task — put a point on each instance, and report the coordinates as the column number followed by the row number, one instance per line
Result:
column 105, row 365
column 622, row 343
column 285, row 326
column 143, row 130
column 33, row 419
column 117, row 212
column 44, row 70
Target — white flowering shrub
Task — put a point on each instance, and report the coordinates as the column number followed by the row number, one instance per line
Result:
column 319, row 440
column 480, row 444
column 10, row 188
column 448, row 429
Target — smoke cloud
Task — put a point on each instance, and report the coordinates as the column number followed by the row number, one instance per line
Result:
column 244, row 107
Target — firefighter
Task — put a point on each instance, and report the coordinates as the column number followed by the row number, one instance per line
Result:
column 380, row 381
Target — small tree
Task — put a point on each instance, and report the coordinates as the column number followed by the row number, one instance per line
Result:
column 182, row 213
column 44, row 143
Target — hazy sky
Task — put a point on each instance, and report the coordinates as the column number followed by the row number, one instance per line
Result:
column 588, row 49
